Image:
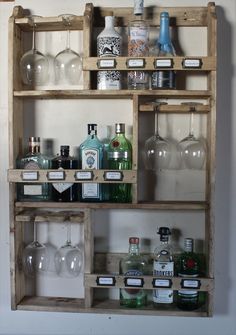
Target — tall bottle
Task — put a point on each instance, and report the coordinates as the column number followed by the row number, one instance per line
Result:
column 120, row 158
column 91, row 157
column 138, row 47
column 64, row 192
column 109, row 44
column 164, row 79
column 188, row 266
column 133, row 265
column 163, row 266
column 33, row 160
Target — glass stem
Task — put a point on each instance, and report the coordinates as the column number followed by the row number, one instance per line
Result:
column 35, row 232
column 191, row 124
column 68, row 240
column 156, row 124
column 33, row 39
column 68, row 39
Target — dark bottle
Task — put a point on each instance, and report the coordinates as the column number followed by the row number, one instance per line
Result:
column 64, row 192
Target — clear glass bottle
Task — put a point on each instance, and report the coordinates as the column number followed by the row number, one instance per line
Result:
column 163, row 266
column 133, row 265
column 109, row 44
column 91, row 157
column 188, row 265
column 164, row 79
column 138, row 46
column 120, row 158
column 64, row 192
column 33, row 160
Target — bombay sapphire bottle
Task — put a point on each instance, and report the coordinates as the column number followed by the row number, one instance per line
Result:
column 164, row 79
column 109, row 44
column 132, row 265
column 64, row 192
column 33, row 160
column 91, row 157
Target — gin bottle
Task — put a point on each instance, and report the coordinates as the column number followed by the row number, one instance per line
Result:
column 133, row 265
column 163, row 266
column 64, row 192
column 188, row 266
column 109, row 44
column 91, row 157
column 33, row 160
column 138, row 47
column 120, row 158
column 164, row 48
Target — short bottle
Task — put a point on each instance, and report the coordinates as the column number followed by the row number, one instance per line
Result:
column 164, row 79
column 163, row 266
column 120, row 158
column 64, row 192
column 138, row 46
column 91, row 158
column 188, row 266
column 109, row 44
column 133, row 265
column 33, row 160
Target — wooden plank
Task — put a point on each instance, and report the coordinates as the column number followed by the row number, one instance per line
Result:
column 87, row 41
column 175, row 109
column 179, row 16
column 88, row 254
column 110, row 94
column 15, row 175
column 161, row 205
column 208, row 63
column 47, row 216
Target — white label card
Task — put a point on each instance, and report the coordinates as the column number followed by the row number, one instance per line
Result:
column 105, row 281
column 113, row 175
column 56, row 175
column 29, row 175
column 162, row 283
column 163, row 63
column 133, row 63
column 84, row 175
column 134, row 282
column 106, row 63
column 33, row 190
column 192, row 63
column 190, row 283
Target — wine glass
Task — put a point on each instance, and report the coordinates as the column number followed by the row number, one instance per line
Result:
column 68, row 258
column 67, row 63
column 157, row 149
column 35, row 257
column 34, row 65
column 192, row 150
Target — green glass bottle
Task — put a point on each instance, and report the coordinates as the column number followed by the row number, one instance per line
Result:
column 133, row 265
column 120, row 158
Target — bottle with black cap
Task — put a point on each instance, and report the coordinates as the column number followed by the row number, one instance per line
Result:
column 64, row 192
column 163, row 266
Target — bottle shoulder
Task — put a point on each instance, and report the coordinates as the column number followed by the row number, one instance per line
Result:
column 91, row 142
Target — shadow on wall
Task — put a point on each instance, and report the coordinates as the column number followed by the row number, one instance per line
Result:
column 223, row 163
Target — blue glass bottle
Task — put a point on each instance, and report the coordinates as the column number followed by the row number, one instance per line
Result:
column 164, row 48
column 91, row 157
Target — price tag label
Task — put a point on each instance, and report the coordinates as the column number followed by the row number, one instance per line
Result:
column 30, row 175
column 106, row 64
column 162, row 283
column 163, row 63
column 190, row 283
column 56, row 175
column 105, row 281
column 192, row 63
column 135, row 63
column 113, row 175
column 84, row 175
column 134, row 282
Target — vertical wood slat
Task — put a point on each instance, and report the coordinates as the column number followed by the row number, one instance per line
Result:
column 88, row 254
column 135, row 146
column 211, row 131
column 87, row 41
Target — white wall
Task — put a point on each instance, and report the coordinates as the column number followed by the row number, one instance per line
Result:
column 223, row 321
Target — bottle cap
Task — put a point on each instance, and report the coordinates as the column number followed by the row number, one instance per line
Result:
column 138, row 7
column 34, row 139
column 164, row 231
column 92, row 127
column 120, row 128
column 134, row 240
column 65, row 147
column 188, row 244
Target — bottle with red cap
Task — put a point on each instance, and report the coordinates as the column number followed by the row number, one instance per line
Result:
column 134, row 264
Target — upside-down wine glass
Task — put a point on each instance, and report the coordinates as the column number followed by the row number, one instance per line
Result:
column 157, row 149
column 192, row 150
column 68, row 258
column 35, row 257
column 34, row 65
column 67, row 63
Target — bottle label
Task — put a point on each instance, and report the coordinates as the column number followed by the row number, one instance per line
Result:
column 109, row 46
column 139, row 34
column 163, row 269
column 33, row 190
column 132, row 273
column 90, row 160
column 118, row 154
column 163, row 296
column 109, row 80
column 62, row 187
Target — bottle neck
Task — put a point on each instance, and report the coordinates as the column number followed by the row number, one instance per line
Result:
column 109, row 22
column 133, row 249
column 34, row 148
column 164, row 37
column 65, row 153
